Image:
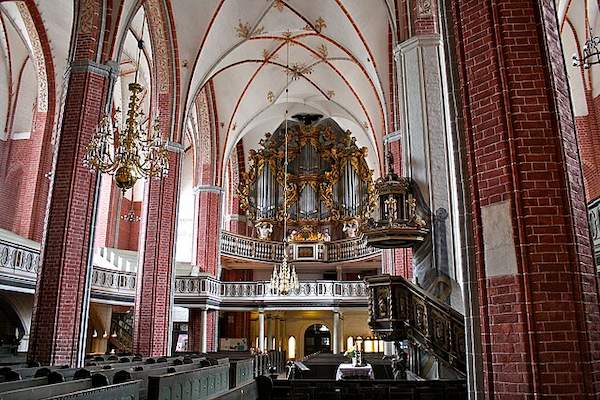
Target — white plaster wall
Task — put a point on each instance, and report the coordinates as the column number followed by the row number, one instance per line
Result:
column 425, row 138
column 185, row 222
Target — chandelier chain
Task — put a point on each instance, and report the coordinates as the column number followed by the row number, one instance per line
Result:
column 284, row 278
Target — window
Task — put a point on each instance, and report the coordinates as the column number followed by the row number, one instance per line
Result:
column 292, row 347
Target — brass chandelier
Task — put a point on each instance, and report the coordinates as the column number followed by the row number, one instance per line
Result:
column 284, row 278
column 591, row 52
column 133, row 151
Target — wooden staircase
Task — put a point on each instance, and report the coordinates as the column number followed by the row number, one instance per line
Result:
column 400, row 311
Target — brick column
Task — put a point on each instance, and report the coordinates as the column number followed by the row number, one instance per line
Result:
column 195, row 330
column 202, row 330
column 154, row 297
column 62, row 293
column 208, row 228
column 529, row 266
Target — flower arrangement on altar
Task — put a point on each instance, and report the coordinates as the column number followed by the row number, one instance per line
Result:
column 350, row 352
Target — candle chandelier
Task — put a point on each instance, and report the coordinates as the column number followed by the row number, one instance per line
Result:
column 132, row 151
column 591, row 53
column 284, row 278
column 131, row 216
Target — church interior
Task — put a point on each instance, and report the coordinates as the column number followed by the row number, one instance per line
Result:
column 299, row 199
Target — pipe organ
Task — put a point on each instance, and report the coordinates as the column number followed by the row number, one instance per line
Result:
column 329, row 182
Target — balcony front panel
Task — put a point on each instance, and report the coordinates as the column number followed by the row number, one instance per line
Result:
column 247, row 248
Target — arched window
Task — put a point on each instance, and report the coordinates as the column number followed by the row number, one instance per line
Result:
column 359, row 343
column 292, row 347
column 349, row 342
column 368, row 345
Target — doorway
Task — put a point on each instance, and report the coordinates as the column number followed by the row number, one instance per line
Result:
column 317, row 338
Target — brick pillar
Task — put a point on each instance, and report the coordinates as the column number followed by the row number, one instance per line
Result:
column 61, row 297
column 153, row 303
column 202, row 330
column 208, row 228
column 530, row 271
column 195, row 330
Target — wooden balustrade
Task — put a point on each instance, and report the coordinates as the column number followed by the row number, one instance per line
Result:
column 260, row 250
column 399, row 310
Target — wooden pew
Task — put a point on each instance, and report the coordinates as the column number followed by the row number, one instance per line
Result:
column 46, row 391
column 157, row 368
column 121, row 391
column 241, row 372
column 319, row 389
column 197, row 384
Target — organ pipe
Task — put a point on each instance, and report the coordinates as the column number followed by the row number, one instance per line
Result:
column 329, row 180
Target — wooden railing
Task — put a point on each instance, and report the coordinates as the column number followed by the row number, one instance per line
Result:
column 260, row 291
column 18, row 257
column 261, row 250
column 399, row 310
column 20, row 262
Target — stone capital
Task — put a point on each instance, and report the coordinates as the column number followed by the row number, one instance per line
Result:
column 208, row 188
column 428, row 40
column 109, row 70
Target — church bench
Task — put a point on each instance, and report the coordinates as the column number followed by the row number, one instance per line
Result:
column 68, row 373
column 8, row 386
column 241, row 372
column 143, row 376
column 29, row 372
column 46, row 391
column 121, row 391
column 199, row 384
column 321, row 389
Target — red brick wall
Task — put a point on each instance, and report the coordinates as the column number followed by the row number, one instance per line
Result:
column 60, row 287
column 129, row 231
column 208, row 229
column 194, row 329
column 23, row 188
column 539, row 326
column 424, row 23
column 211, row 326
column 236, row 324
column 237, row 275
column 155, row 271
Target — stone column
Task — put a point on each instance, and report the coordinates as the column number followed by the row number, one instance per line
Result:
column 155, row 275
column 336, row 332
column 261, row 330
column 204, row 331
column 425, row 157
column 340, row 272
column 270, row 323
column 63, row 285
column 532, row 298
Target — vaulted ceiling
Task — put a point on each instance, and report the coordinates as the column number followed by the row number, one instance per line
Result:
column 332, row 56
column 576, row 18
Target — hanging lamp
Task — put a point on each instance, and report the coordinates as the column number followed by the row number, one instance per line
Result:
column 132, row 151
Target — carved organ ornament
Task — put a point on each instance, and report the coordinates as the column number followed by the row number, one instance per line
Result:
column 329, row 181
